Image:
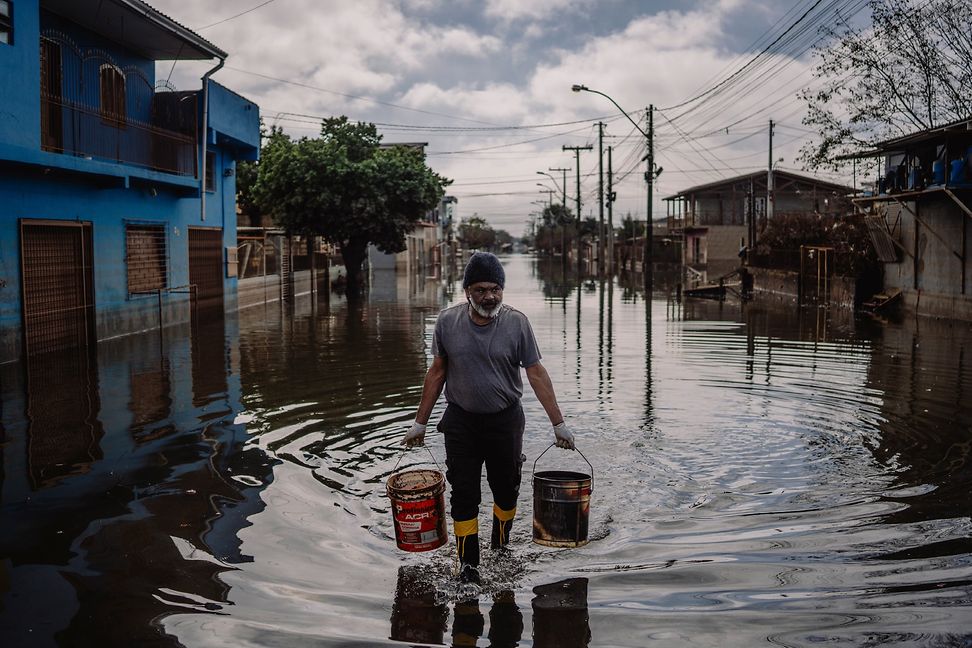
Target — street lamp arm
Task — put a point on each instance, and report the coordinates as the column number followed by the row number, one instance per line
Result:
column 552, row 179
column 583, row 88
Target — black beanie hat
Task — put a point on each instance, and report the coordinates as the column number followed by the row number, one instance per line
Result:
column 483, row 266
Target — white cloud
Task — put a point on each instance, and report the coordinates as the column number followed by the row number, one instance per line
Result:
column 510, row 10
column 378, row 49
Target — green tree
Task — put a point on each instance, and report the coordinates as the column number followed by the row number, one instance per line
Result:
column 503, row 240
column 910, row 70
column 246, row 175
column 344, row 187
column 553, row 228
column 476, row 234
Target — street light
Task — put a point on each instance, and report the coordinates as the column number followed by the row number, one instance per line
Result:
column 554, row 180
column 563, row 216
column 650, row 174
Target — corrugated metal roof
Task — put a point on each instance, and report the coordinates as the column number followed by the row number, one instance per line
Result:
column 759, row 174
column 138, row 27
column 897, row 144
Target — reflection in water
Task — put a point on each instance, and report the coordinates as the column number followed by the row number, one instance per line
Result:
column 125, row 507
column 62, row 411
column 765, row 474
column 417, row 617
column 420, row 615
column 560, row 617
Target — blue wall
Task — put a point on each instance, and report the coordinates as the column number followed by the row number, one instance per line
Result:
column 20, row 80
column 37, row 184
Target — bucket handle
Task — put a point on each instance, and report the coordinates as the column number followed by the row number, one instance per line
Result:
column 578, row 452
column 401, row 456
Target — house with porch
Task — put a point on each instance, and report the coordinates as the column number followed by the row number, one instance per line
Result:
column 716, row 219
column 118, row 191
column 918, row 213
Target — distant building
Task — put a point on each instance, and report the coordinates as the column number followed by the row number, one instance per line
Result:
column 115, row 187
column 919, row 210
column 715, row 219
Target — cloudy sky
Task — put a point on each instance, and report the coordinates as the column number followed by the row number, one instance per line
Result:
column 487, row 83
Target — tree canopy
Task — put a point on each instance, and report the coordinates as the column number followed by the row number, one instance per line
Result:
column 476, row 234
column 553, row 228
column 910, row 70
column 346, row 188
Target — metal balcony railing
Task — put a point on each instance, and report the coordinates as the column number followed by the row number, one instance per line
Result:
column 75, row 129
column 92, row 107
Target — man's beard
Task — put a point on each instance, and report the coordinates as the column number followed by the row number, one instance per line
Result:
column 482, row 311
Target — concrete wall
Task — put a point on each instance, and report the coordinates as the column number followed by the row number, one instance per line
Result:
column 783, row 287
column 257, row 291
column 931, row 278
column 723, row 243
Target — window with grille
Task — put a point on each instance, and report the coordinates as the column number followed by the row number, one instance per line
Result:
column 112, row 82
column 6, row 23
column 210, row 171
column 146, row 258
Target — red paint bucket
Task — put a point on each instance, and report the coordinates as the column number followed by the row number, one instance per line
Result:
column 418, row 509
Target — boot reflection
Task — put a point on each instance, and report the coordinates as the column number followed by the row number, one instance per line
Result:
column 416, row 616
column 467, row 624
column 560, row 618
column 505, row 621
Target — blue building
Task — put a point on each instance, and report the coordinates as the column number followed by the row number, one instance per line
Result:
column 118, row 215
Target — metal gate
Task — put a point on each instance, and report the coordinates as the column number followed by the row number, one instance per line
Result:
column 287, row 268
column 816, row 273
column 56, row 284
column 206, row 267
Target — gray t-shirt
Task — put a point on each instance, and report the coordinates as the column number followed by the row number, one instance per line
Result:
column 483, row 362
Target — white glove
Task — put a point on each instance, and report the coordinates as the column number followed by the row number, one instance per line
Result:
column 415, row 435
column 564, row 438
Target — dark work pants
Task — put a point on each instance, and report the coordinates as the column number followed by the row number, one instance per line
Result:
column 472, row 440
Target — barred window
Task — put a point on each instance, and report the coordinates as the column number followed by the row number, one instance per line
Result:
column 6, row 22
column 146, row 258
column 210, row 171
column 112, row 82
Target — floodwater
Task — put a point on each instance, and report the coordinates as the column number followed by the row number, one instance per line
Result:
column 762, row 476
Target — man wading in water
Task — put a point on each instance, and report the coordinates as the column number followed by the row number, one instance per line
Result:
column 478, row 349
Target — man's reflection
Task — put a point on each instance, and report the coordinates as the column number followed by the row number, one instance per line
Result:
column 418, row 618
column 560, row 617
column 505, row 622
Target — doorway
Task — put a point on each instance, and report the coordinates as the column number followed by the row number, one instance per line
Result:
column 57, row 285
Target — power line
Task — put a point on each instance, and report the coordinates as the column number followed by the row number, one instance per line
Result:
column 242, row 13
column 748, row 64
column 291, row 116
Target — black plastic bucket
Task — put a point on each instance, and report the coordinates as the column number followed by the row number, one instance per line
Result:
column 561, row 505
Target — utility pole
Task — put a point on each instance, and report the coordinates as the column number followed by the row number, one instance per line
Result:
column 769, row 177
column 600, row 198
column 550, row 193
column 564, row 184
column 610, row 207
column 650, row 179
column 563, row 225
column 577, row 150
